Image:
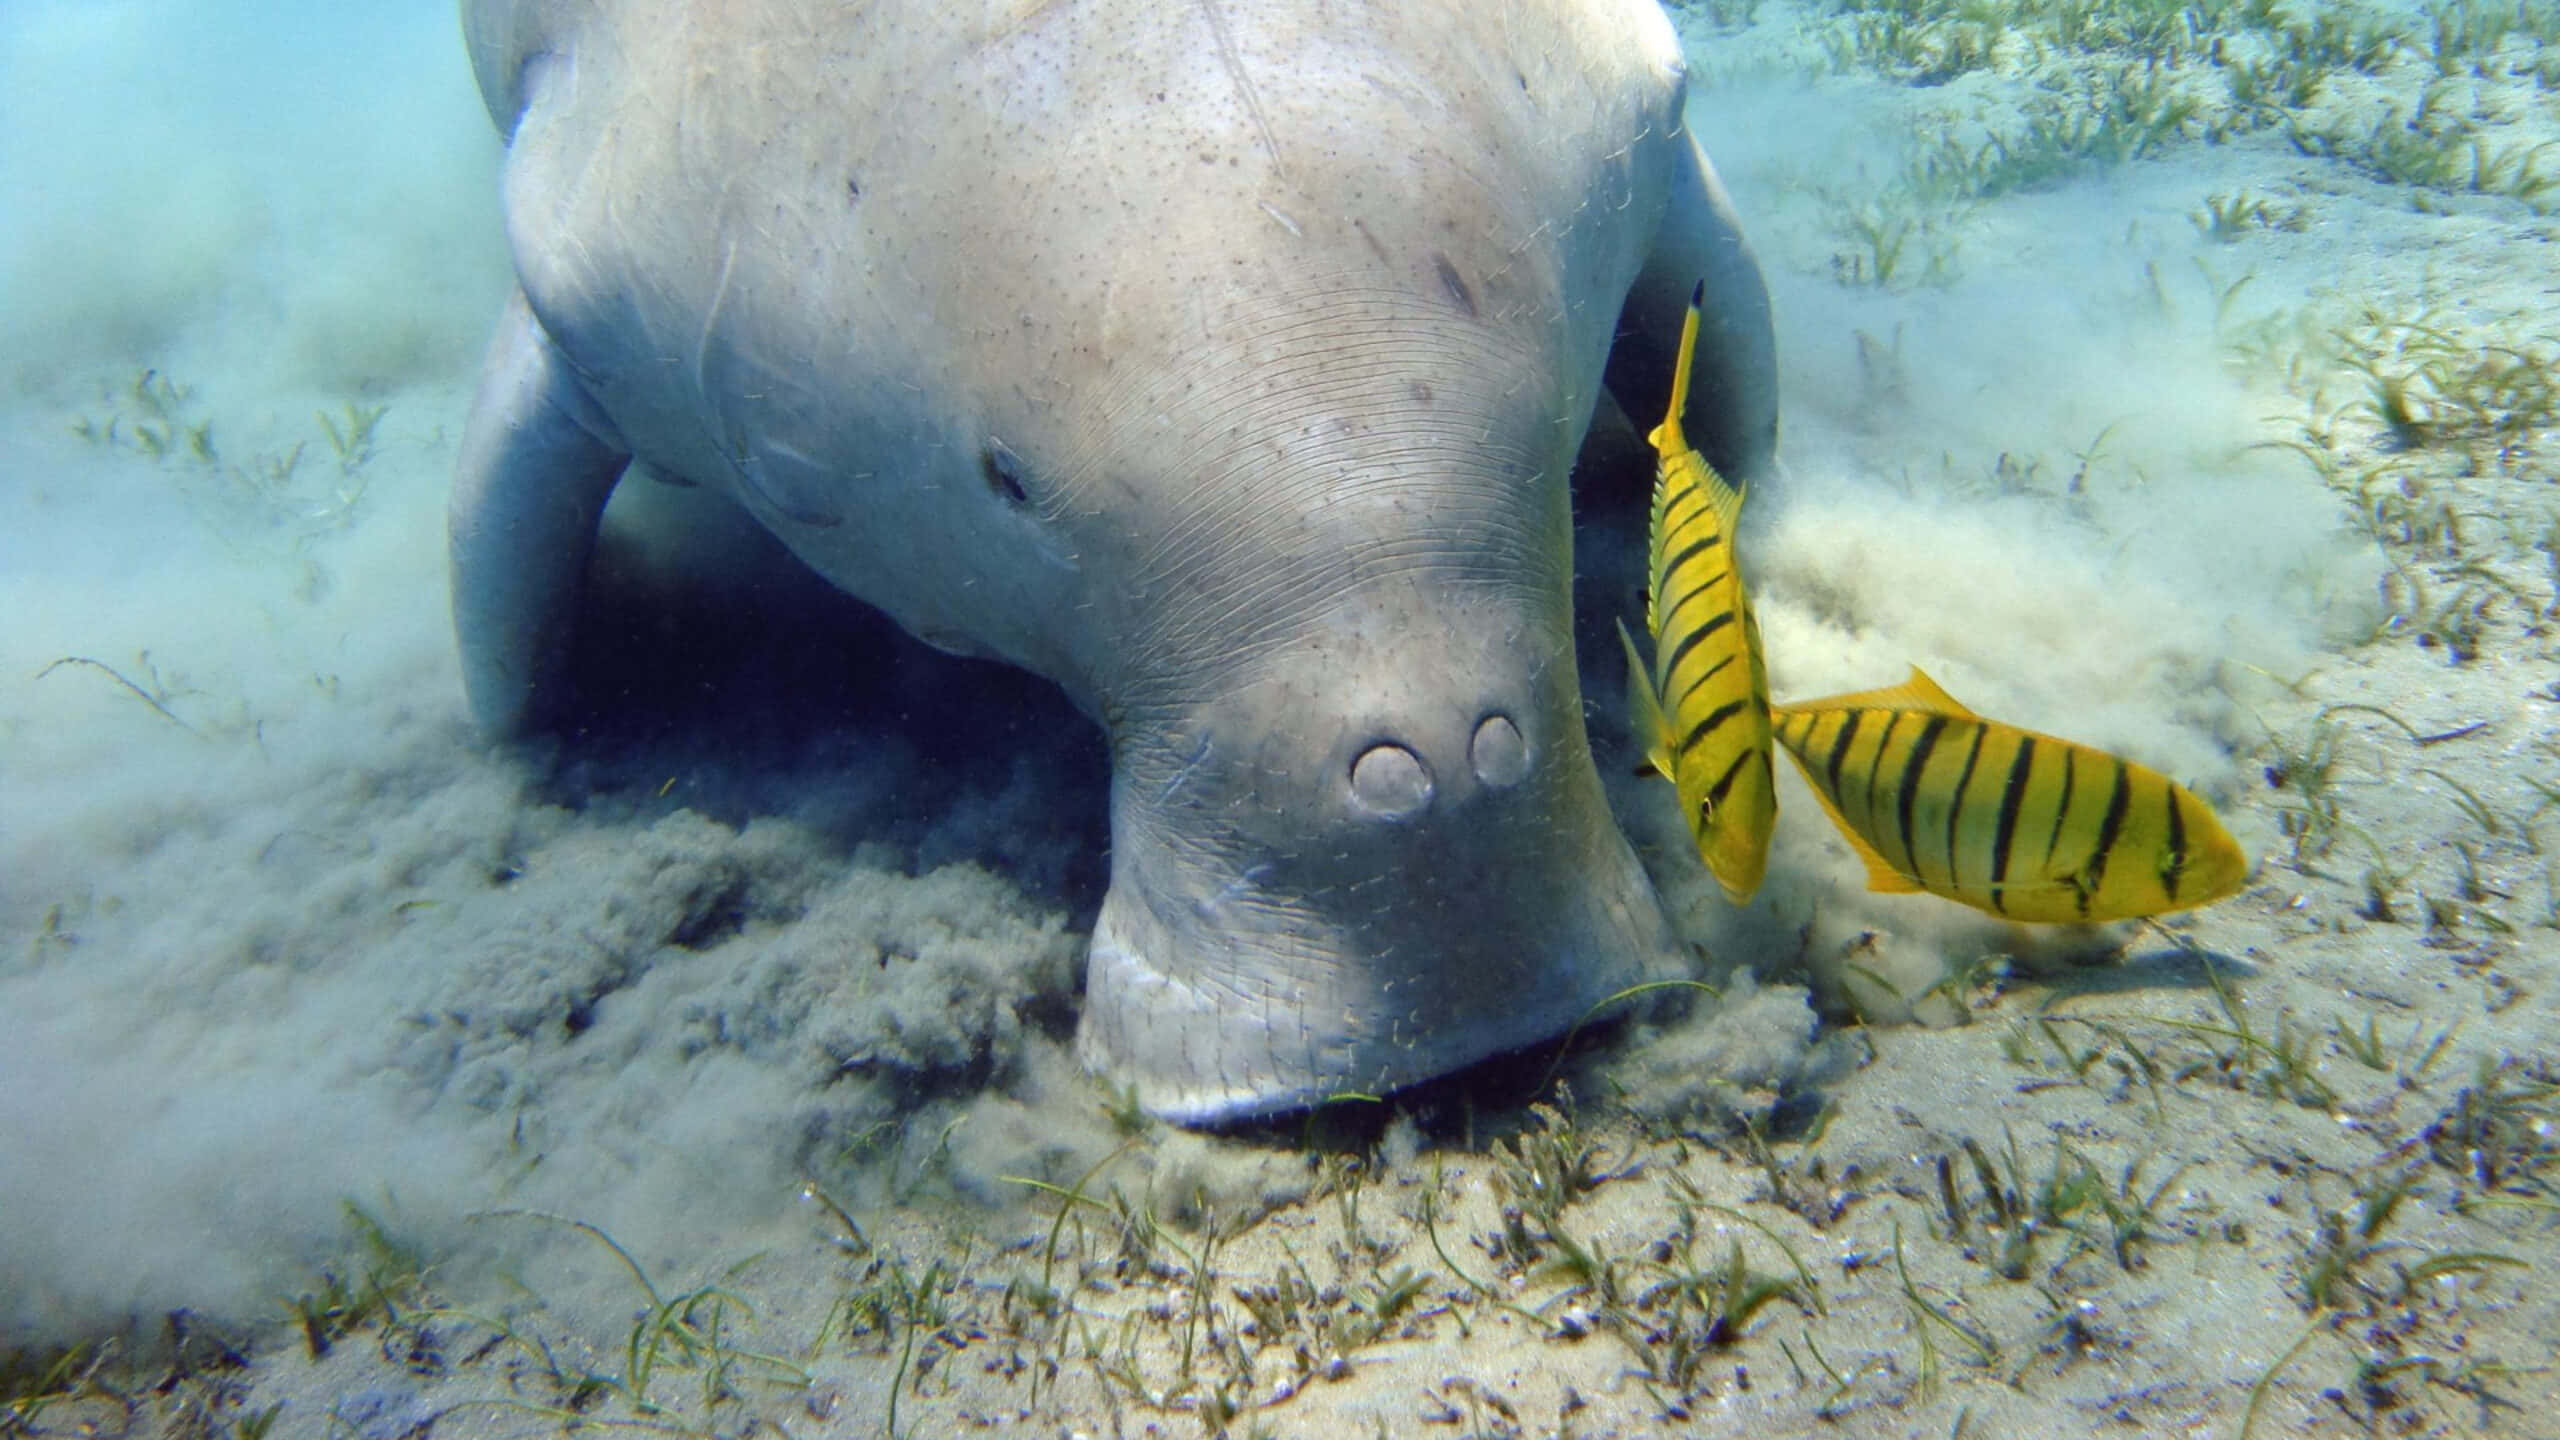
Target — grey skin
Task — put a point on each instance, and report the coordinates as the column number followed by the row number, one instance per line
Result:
column 1223, row 362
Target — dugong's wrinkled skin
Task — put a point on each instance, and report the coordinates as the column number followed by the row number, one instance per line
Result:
column 1223, row 361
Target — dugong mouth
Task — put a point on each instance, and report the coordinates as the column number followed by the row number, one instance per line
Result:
column 1229, row 982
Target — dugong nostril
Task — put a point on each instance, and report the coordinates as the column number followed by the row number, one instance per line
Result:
column 1499, row 753
column 1389, row 782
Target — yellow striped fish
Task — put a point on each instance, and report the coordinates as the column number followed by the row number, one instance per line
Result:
column 1934, row 797
column 1702, row 707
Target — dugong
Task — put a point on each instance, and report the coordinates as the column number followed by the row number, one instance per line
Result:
column 1223, row 361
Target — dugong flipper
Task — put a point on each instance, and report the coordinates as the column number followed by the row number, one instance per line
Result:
column 1224, row 362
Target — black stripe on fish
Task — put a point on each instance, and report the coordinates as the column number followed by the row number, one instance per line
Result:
column 2011, row 794
column 1840, row 750
column 1796, row 730
column 2173, row 866
column 1724, row 783
column 1708, row 724
column 1691, row 688
column 1691, row 640
column 2062, row 809
column 1909, row 790
column 1689, row 552
column 1955, row 811
column 1875, row 773
column 2119, row 800
column 1688, row 493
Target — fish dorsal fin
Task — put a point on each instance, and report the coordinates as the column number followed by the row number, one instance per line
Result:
column 1881, row 876
column 1930, row 697
column 1666, row 437
column 1653, row 548
column 1722, row 497
column 1679, row 469
column 1687, row 470
column 1918, row 694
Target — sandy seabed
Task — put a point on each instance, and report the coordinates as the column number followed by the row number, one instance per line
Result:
column 2185, row 381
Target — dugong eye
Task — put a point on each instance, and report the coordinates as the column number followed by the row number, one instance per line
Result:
column 1005, row 472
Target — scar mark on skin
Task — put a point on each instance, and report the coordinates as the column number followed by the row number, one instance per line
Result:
column 1455, row 284
column 1198, row 754
column 1244, row 87
column 711, row 322
column 1234, row 889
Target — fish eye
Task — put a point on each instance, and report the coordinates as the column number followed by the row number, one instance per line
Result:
column 1004, row 471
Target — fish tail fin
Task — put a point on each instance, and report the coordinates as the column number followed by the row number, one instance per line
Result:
column 1667, row 437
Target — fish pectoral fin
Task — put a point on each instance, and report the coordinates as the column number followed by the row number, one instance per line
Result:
column 1652, row 731
column 1919, row 694
column 1882, row 877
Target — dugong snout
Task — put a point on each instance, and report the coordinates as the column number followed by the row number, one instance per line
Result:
column 1357, row 871
column 1391, row 782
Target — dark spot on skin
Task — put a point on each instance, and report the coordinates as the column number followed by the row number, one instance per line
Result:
column 1004, row 473
column 1374, row 247
column 852, row 187
column 1455, row 284
column 1421, row 393
column 1523, row 79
